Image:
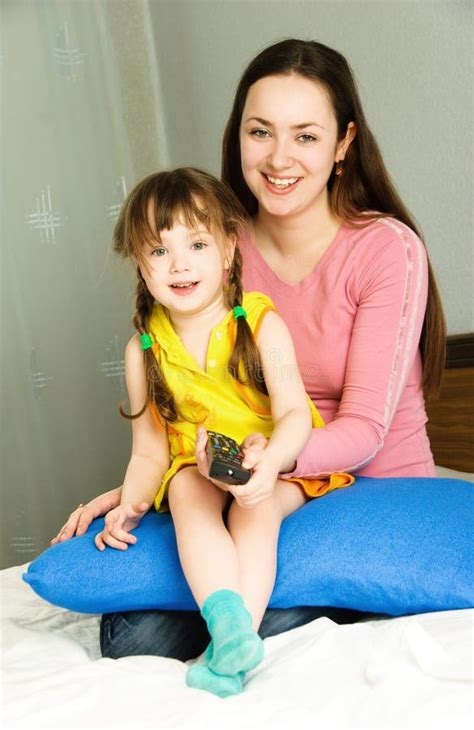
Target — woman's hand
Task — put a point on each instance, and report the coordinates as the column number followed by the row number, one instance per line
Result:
column 79, row 520
column 118, row 523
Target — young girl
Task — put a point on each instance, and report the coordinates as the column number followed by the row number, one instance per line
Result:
column 207, row 355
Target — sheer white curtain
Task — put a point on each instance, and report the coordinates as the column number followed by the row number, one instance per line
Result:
column 81, row 123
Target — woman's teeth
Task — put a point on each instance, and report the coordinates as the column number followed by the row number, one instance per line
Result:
column 282, row 182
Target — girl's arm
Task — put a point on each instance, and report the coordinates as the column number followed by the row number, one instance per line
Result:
column 148, row 463
column 289, row 401
column 290, row 412
column 150, row 453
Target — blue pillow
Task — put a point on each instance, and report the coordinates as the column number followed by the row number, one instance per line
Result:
column 394, row 546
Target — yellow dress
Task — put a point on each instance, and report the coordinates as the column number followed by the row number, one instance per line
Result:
column 212, row 398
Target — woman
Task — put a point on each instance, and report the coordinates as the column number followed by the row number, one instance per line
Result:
column 335, row 248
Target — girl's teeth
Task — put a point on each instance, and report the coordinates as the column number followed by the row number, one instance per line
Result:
column 282, row 182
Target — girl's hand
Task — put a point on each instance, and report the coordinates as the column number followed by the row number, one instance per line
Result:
column 255, row 442
column 201, row 458
column 118, row 523
column 79, row 520
column 262, row 482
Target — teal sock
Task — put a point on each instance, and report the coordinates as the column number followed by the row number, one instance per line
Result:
column 236, row 647
column 207, row 656
column 200, row 676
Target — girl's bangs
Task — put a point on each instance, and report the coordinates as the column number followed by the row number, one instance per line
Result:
column 185, row 196
column 160, row 210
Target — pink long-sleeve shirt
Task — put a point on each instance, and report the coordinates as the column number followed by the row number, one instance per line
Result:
column 356, row 322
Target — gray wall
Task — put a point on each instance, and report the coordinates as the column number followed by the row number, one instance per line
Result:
column 138, row 85
column 414, row 69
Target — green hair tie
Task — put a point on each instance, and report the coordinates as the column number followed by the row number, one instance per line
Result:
column 239, row 312
column 146, row 341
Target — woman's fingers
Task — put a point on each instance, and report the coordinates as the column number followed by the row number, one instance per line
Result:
column 79, row 520
column 87, row 514
column 69, row 528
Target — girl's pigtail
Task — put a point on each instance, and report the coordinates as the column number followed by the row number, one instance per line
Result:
column 158, row 391
column 245, row 355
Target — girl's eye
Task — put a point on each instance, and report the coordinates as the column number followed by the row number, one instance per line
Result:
column 306, row 138
column 159, row 251
column 199, row 245
column 260, row 133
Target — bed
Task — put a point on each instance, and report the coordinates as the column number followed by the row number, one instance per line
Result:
column 406, row 672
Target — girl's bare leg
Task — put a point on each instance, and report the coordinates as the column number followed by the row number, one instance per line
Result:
column 206, row 549
column 255, row 533
column 209, row 560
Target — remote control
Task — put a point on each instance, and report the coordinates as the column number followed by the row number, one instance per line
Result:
column 225, row 459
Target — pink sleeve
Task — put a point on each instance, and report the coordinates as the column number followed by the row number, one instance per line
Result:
column 390, row 290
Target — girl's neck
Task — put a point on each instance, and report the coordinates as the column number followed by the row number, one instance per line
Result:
column 199, row 324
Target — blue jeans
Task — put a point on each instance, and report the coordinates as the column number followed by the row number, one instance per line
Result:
column 183, row 634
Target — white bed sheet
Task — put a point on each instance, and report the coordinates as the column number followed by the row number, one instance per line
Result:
column 443, row 471
column 410, row 672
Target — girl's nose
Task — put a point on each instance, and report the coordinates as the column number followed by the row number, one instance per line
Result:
column 179, row 263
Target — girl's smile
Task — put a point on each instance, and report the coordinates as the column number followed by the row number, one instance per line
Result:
column 185, row 289
column 184, row 271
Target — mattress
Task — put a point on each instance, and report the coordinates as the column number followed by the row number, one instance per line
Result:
column 408, row 672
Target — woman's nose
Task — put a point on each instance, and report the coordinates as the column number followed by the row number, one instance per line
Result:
column 279, row 156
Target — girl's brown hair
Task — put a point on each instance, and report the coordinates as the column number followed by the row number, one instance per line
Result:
column 193, row 197
column 364, row 186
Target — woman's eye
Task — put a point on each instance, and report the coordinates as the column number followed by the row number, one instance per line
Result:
column 259, row 133
column 199, row 245
column 306, row 138
column 159, row 251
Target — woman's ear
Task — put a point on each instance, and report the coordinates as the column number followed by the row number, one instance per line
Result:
column 343, row 144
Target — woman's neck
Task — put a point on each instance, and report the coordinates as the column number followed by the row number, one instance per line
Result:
column 308, row 233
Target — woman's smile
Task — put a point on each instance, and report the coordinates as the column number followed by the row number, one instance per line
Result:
column 280, row 185
column 288, row 135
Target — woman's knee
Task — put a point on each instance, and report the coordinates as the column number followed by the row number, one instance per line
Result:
column 177, row 634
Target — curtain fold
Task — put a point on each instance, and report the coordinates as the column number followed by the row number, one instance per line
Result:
column 81, row 123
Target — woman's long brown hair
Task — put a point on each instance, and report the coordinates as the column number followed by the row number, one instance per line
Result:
column 365, row 185
column 157, row 203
